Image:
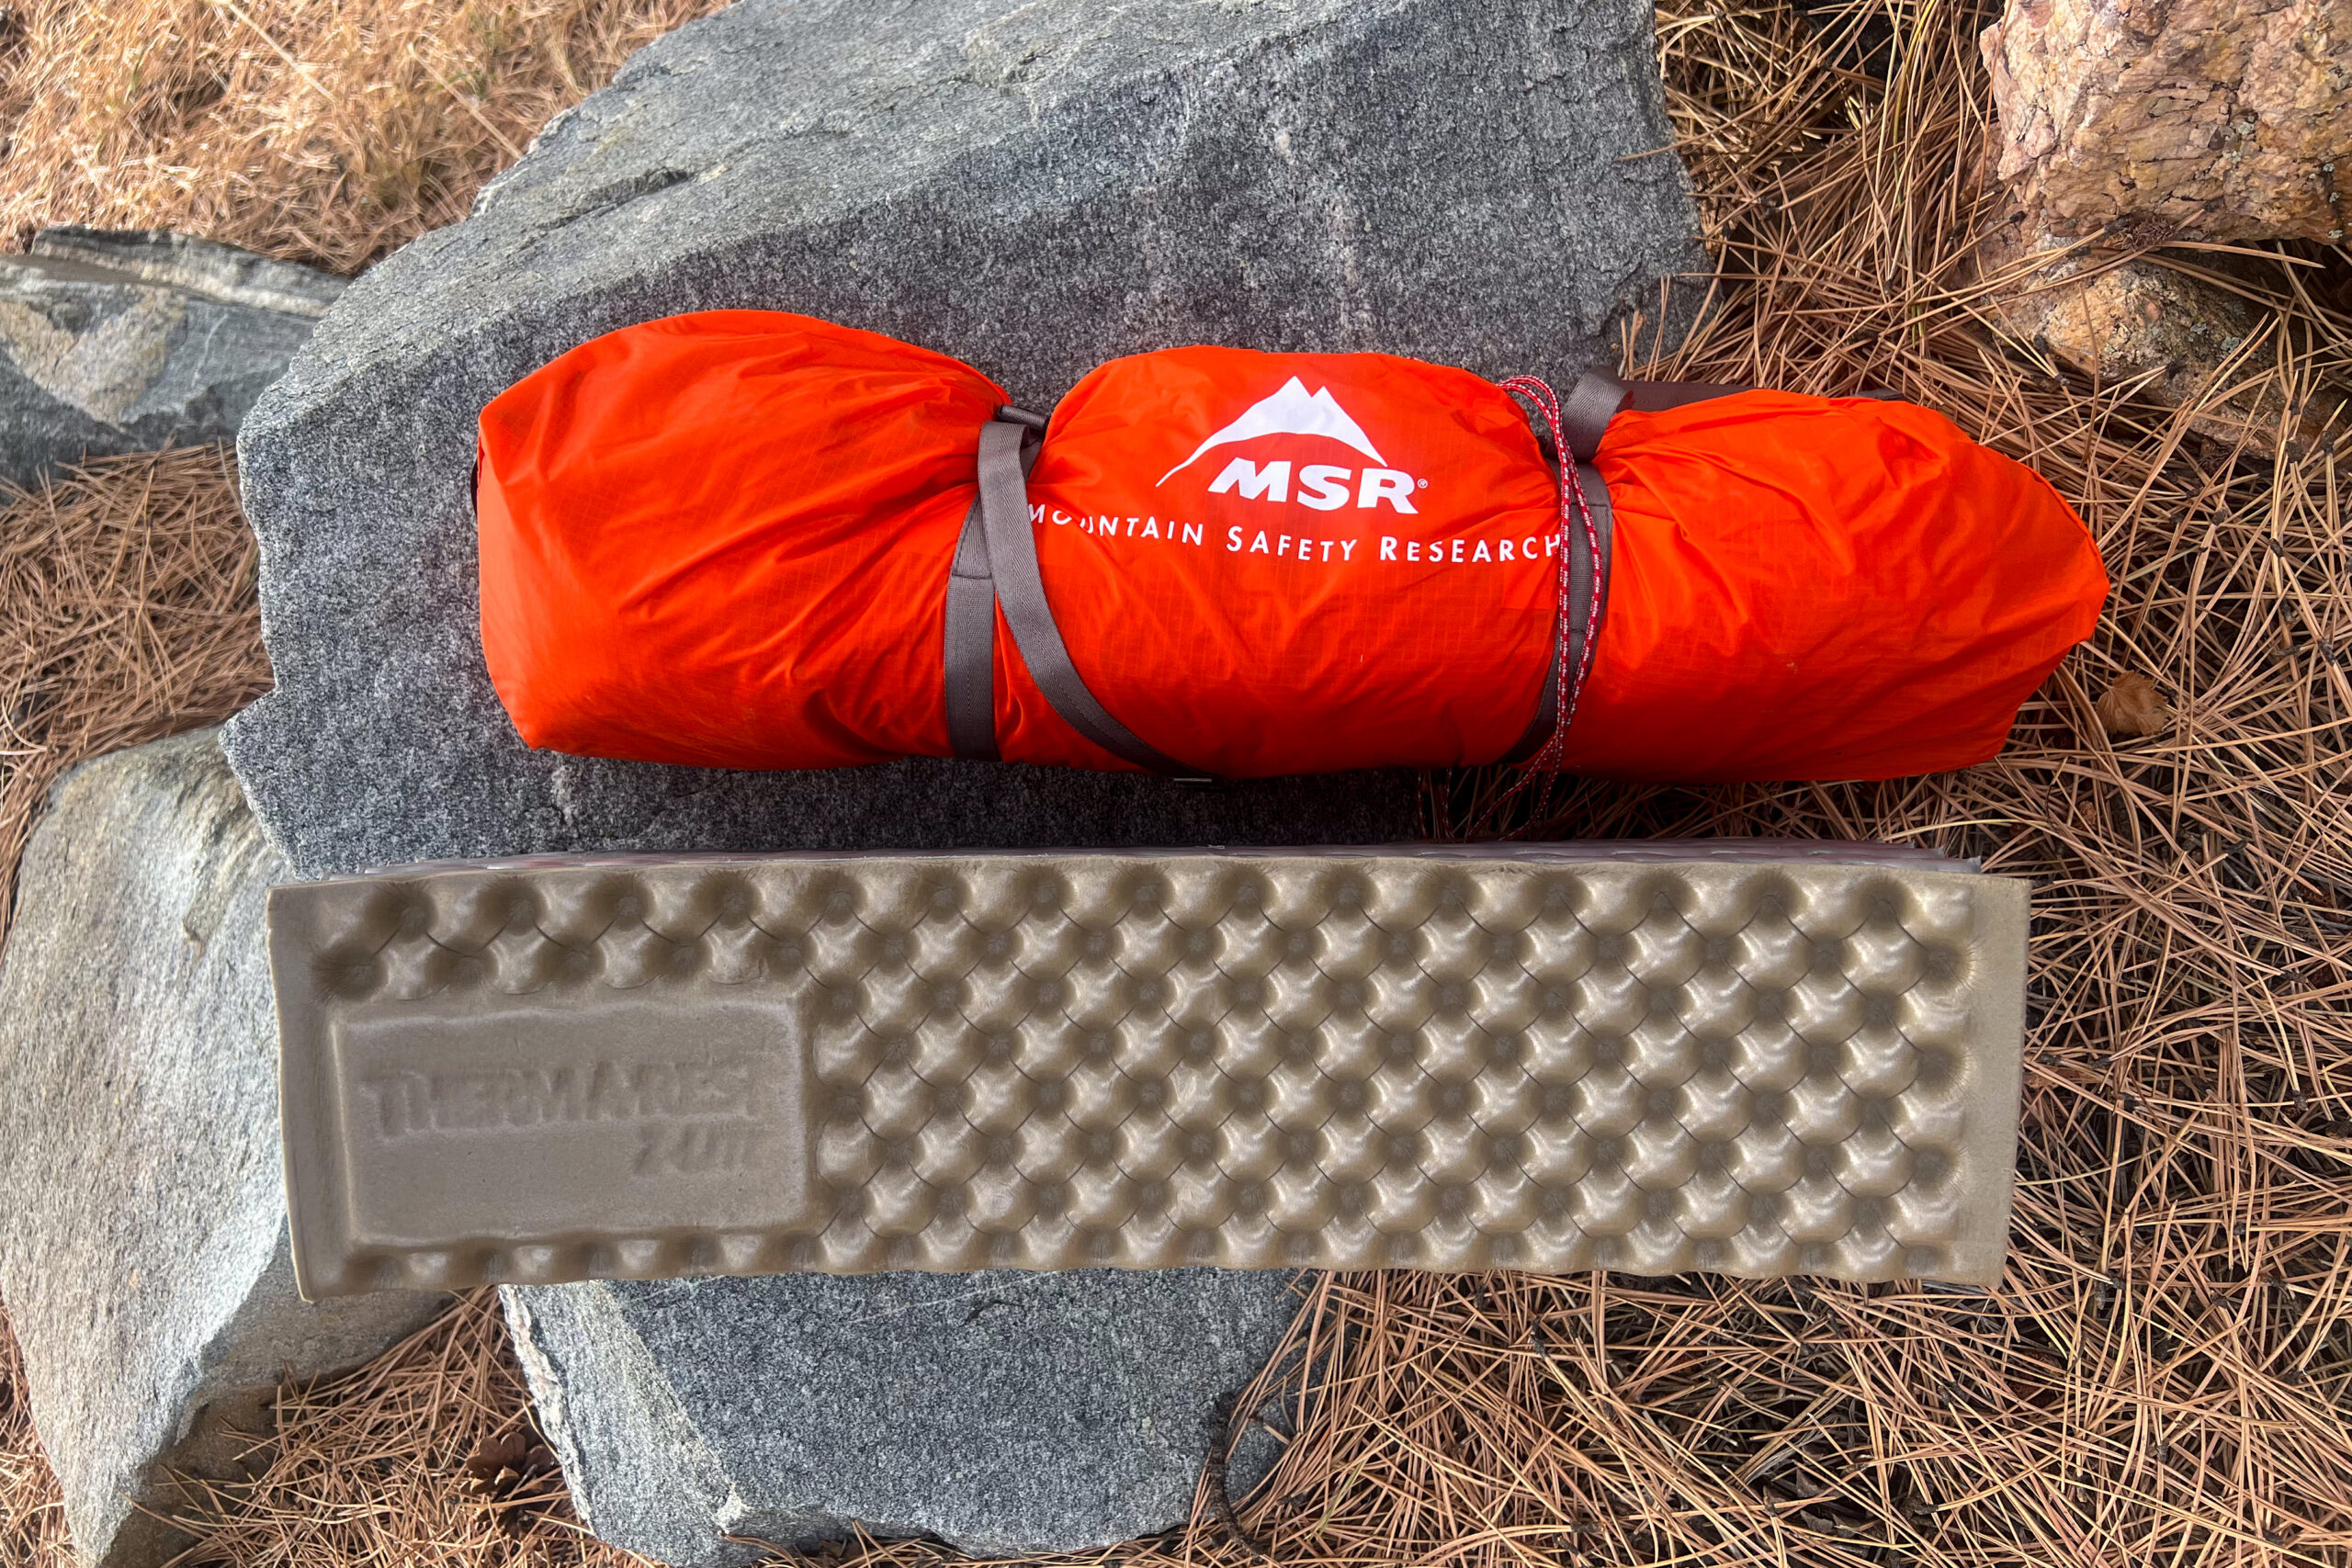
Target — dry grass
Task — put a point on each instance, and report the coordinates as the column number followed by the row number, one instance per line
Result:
column 2165, row 1375
column 426, row 1455
column 127, row 614
column 327, row 131
column 32, row 1509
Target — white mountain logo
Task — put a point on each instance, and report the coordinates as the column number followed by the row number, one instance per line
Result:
column 1291, row 412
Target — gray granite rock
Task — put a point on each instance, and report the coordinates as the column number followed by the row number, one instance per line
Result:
column 1033, row 186
column 1002, row 1413
column 143, row 1255
column 127, row 341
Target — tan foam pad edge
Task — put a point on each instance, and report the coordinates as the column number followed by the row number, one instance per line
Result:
column 1760, row 1060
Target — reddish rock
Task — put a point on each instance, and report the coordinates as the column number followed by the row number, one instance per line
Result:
column 2225, row 118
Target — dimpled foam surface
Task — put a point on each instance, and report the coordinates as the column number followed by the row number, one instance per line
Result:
column 1760, row 1060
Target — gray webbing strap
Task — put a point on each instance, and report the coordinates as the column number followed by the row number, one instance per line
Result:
column 1595, row 495
column 1599, row 397
column 1586, row 578
column 972, row 645
column 1011, row 546
column 1586, row 412
column 970, row 661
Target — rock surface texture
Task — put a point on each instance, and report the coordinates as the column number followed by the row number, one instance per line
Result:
column 2182, row 339
column 1032, row 187
column 2226, row 118
column 127, row 341
column 143, row 1258
column 2136, row 125
column 1003, row 1413
column 2184, row 343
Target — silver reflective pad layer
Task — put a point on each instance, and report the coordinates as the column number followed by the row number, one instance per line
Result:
column 1761, row 1059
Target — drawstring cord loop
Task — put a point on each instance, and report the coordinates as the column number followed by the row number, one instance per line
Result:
column 1568, row 685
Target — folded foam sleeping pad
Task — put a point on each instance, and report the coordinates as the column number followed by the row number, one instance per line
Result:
column 753, row 539
column 1746, row 1055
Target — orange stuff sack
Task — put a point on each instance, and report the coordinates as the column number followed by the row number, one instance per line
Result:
column 728, row 539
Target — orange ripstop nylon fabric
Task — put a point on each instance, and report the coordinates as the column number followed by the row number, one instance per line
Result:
column 724, row 539
column 1810, row 587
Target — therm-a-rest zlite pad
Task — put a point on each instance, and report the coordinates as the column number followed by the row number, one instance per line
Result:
column 1758, row 1057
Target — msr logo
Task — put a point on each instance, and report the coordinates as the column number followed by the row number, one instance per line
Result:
column 1325, row 487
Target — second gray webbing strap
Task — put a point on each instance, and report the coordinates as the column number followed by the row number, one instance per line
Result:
column 1595, row 400
column 1595, row 495
column 1586, row 412
column 1012, row 561
column 1587, row 579
column 1597, row 397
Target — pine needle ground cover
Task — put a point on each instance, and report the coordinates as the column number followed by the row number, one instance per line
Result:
column 325, row 131
column 2166, row 1376
column 127, row 614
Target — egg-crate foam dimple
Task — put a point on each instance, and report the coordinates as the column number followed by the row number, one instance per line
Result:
column 1760, row 1062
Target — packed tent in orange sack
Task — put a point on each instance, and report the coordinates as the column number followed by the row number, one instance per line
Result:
column 749, row 539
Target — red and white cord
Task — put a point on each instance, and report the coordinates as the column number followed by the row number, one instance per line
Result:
column 1566, row 686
